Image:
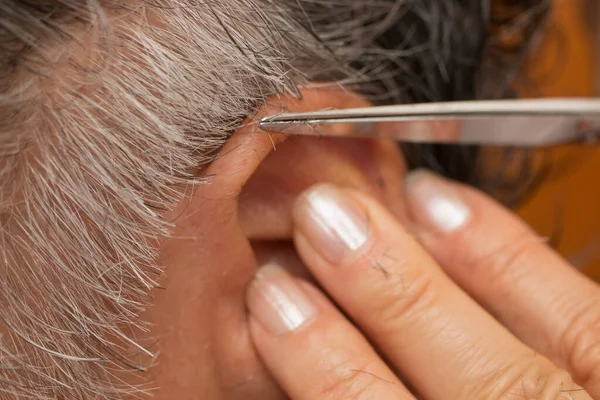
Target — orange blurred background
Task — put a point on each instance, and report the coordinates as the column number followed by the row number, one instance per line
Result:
column 570, row 200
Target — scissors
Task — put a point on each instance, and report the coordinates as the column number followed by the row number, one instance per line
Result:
column 519, row 123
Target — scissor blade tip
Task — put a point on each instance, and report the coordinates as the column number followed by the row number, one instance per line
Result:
column 268, row 125
column 264, row 123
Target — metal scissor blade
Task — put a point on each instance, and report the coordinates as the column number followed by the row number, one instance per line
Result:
column 522, row 123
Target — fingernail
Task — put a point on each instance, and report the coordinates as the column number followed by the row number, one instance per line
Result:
column 432, row 200
column 333, row 223
column 277, row 302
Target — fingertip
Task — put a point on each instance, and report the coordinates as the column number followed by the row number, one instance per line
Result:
column 435, row 203
column 276, row 301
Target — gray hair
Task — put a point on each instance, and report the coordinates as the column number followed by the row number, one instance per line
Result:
column 106, row 109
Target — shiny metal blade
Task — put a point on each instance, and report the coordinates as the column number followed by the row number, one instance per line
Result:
column 522, row 123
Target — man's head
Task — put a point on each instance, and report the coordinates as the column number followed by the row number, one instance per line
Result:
column 112, row 115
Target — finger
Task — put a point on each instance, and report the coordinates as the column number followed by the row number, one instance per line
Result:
column 421, row 321
column 311, row 349
column 513, row 273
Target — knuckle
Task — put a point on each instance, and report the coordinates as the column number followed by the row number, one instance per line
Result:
column 527, row 380
column 505, row 261
column 347, row 381
column 405, row 297
column 580, row 343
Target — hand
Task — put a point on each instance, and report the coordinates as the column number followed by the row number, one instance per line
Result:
column 465, row 304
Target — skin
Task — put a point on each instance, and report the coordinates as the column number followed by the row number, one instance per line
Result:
column 484, row 311
column 470, row 310
column 204, row 344
column 224, row 230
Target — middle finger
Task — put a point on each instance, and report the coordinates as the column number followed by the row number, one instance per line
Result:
column 439, row 339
